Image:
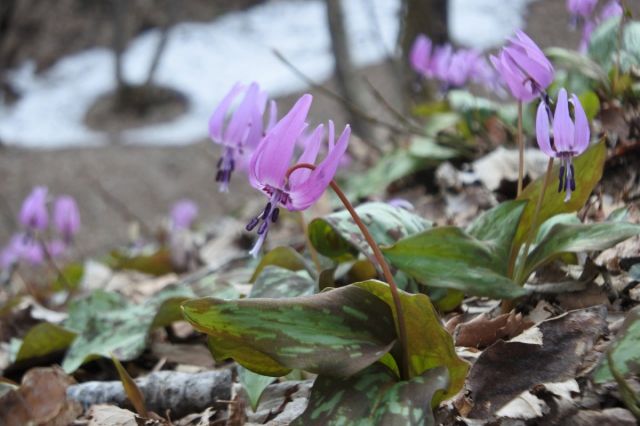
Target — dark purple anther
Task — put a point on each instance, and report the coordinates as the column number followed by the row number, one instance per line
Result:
column 263, row 227
column 252, row 224
column 275, row 214
column 561, row 179
column 572, row 181
column 266, row 211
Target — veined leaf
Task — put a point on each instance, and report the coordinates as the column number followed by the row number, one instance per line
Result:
column 44, row 339
column 625, row 351
column 337, row 332
column 498, row 226
column 277, row 282
column 284, row 257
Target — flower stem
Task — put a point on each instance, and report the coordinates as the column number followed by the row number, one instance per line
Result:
column 534, row 221
column 520, row 150
column 307, row 241
column 386, row 271
column 53, row 266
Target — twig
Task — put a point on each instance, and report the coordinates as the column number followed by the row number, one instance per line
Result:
column 392, row 110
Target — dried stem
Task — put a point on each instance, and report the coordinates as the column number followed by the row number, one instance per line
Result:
column 386, row 271
column 520, row 150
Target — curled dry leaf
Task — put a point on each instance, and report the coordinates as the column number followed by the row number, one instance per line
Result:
column 483, row 330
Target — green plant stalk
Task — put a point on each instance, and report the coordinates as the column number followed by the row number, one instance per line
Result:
column 520, row 150
column 386, row 271
column 53, row 265
column 534, row 224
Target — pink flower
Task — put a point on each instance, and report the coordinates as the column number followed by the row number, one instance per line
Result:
column 420, row 54
column 272, row 159
column 21, row 248
column 570, row 137
column 66, row 217
column 34, row 214
column 582, row 8
column 183, row 213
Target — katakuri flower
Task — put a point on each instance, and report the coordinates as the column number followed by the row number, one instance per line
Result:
column 240, row 132
column 524, row 68
column 570, row 137
column 66, row 217
column 272, row 159
column 33, row 214
column 420, row 54
column 581, row 8
column 183, row 213
column 21, row 248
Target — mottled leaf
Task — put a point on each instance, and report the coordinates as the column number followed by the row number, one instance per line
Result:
column 562, row 238
column 572, row 60
column 277, row 282
column 155, row 263
column 284, row 257
column 44, row 339
column 603, row 43
column 498, row 226
column 337, row 332
column 625, row 351
column 430, row 345
column 448, row 257
column 373, row 397
column 254, row 384
column 337, row 236
column 588, row 168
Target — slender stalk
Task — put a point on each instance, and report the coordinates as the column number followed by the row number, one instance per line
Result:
column 53, row 265
column 307, row 241
column 386, row 271
column 520, row 150
column 534, row 222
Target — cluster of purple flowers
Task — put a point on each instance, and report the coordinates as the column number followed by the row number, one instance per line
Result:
column 32, row 243
column 451, row 68
column 584, row 12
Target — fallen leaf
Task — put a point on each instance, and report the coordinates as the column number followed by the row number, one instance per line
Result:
column 483, row 330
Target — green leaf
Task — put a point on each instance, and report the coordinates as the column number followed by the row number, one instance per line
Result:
column 108, row 323
column 575, row 61
column 277, row 282
column 625, row 351
column 337, row 236
column 448, row 257
column 430, row 345
column 498, row 226
column 425, row 147
column 563, row 238
column 631, row 44
column 44, row 339
column 604, row 43
column 588, row 168
column 254, row 384
column 373, row 397
column 132, row 390
column 157, row 263
column 73, row 273
column 337, row 332
column 591, row 104
column 284, row 257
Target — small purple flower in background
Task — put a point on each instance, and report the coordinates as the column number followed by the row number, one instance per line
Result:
column 584, row 10
column 183, row 213
column 610, row 10
column 570, row 137
column 56, row 248
column 581, row 8
column 420, row 54
column 239, row 133
column 21, row 248
column 524, row 68
column 33, row 214
column 272, row 159
column 66, row 217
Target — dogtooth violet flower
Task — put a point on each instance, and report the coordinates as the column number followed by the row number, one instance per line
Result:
column 66, row 217
column 420, row 54
column 524, row 68
column 240, row 131
column 33, row 214
column 581, row 8
column 570, row 137
column 272, row 159
column 183, row 213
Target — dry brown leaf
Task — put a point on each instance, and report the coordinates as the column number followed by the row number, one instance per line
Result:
column 483, row 330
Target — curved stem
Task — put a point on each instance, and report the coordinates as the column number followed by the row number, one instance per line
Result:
column 386, row 271
column 520, row 150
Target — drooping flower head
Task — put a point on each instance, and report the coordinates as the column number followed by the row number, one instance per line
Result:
column 581, row 8
column 611, row 10
column 524, row 68
column 66, row 217
column 420, row 54
column 33, row 214
column 272, row 159
column 183, row 213
column 238, row 132
column 21, row 248
column 570, row 137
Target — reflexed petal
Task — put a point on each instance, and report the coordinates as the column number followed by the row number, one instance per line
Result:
column 562, row 124
column 216, row 122
column 239, row 125
column 542, row 131
column 33, row 213
column 582, row 133
column 514, row 78
column 309, row 155
column 534, row 69
column 273, row 115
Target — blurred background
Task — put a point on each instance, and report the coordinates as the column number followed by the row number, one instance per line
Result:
column 108, row 100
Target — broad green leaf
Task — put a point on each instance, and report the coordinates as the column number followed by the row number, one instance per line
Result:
column 631, row 45
column 284, row 257
column 563, row 238
column 604, row 43
column 430, row 345
column 591, row 104
column 373, row 397
column 543, row 230
column 588, row 168
column 625, row 351
column 44, row 339
column 108, row 323
column 336, row 332
column 277, row 282
column 156, row 263
column 498, row 226
column 448, row 257
column 254, row 384
column 619, row 215
column 575, row 61
column 337, row 236
column 73, row 274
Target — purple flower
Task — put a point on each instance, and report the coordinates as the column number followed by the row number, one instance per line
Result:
column 21, row 247
column 611, row 10
column 56, row 248
column 33, row 214
column 272, row 159
column 581, row 8
column 570, row 137
column 66, row 217
column 587, row 29
column 420, row 54
column 183, row 213
column 241, row 132
column 524, row 68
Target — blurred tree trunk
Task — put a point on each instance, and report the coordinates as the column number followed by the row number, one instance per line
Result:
column 427, row 17
column 7, row 9
column 119, row 14
column 351, row 86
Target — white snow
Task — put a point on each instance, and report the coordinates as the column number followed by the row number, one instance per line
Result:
column 203, row 60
